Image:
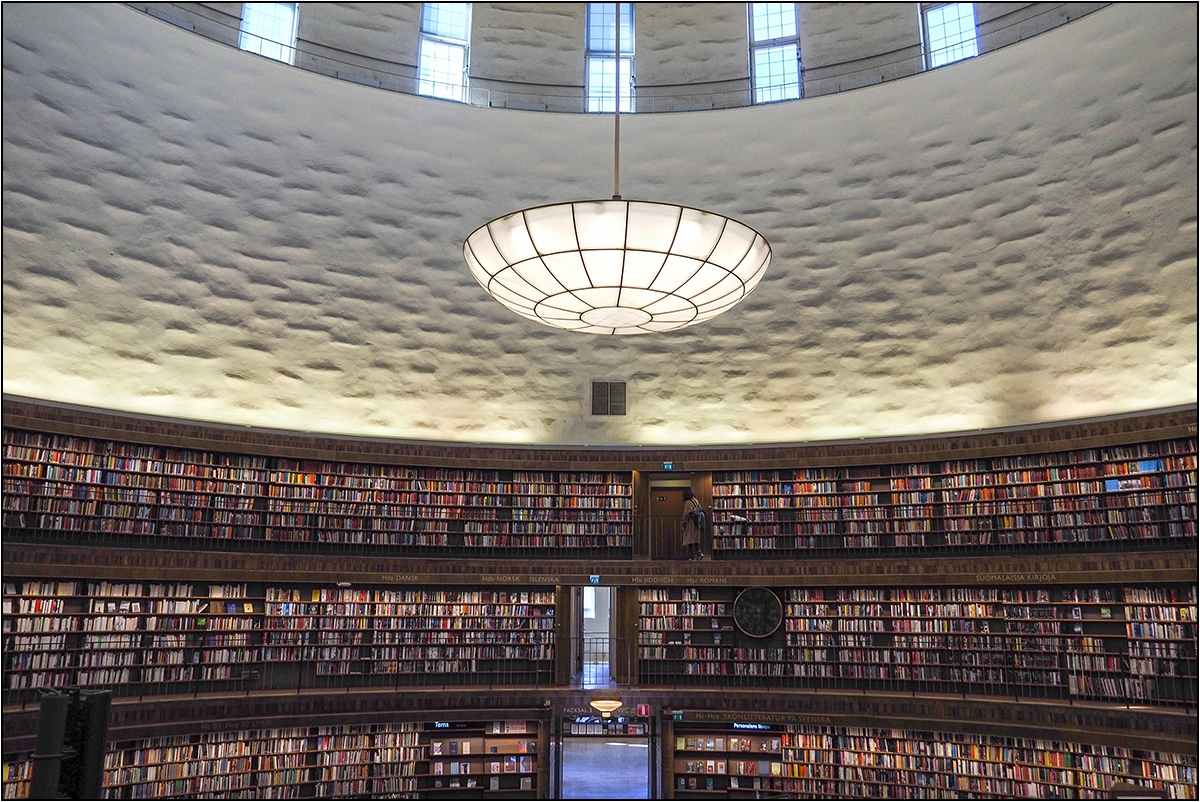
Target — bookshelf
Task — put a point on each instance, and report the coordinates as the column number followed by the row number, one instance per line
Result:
column 89, row 487
column 351, row 761
column 40, row 619
column 148, row 638
column 494, row 756
column 716, row 759
column 1132, row 644
column 394, row 760
column 1143, row 493
column 831, row 762
column 413, row 636
column 17, row 775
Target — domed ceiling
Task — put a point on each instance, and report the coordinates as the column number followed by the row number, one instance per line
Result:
column 197, row 232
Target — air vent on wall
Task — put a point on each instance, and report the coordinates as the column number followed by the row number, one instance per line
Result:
column 608, row 398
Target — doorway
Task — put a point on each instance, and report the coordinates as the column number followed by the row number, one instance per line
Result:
column 666, row 511
column 596, row 669
column 605, row 758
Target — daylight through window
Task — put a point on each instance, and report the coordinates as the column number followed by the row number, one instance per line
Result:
column 602, row 79
column 445, row 39
column 269, row 29
column 949, row 33
column 775, row 52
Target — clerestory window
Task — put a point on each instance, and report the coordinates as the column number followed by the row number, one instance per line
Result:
column 601, row 57
column 269, row 29
column 949, row 32
column 445, row 45
column 774, row 52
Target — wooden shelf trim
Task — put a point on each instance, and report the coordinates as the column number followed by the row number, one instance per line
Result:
column 30, row 560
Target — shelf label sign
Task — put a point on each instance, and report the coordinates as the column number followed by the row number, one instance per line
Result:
column 594, row 579
column 667, row 466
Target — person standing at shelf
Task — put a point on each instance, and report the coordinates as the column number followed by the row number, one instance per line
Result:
column 692, row 525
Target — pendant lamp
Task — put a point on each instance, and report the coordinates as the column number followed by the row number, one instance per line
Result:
column 617, row 266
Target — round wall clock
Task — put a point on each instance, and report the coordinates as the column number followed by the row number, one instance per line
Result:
column 757, row 612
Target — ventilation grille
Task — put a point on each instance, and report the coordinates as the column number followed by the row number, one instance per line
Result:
column 608, row 398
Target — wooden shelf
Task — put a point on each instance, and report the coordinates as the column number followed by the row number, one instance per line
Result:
column 1014, row 641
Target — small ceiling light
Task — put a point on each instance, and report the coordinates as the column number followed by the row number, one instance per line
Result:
column 617, row 266
column 605, row 706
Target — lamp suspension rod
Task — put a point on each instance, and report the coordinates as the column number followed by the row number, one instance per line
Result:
column 617, row 115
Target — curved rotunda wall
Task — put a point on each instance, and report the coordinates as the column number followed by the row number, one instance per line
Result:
column 197, row 232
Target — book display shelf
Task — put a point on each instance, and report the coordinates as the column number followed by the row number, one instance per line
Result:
column 600, row 727
column 144, row 638
column 1143, row 493
column 71, row 485
column 1113, row 643
column 711, row 760
column 826, row 762
column 497, row 756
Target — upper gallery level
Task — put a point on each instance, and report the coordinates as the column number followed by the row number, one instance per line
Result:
column 87, row 477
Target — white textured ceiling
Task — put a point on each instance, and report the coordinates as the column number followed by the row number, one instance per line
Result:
column 197, row 232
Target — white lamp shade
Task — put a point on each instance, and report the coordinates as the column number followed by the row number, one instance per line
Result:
column 617, row 266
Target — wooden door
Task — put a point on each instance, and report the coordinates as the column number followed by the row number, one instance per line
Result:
column 666, row 511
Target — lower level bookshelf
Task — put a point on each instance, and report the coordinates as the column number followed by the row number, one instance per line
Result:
column 705, row 755
column 411, row 760
column 747, row 760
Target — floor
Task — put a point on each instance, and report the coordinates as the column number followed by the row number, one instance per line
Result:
column 596, row 675
column 605, row 768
